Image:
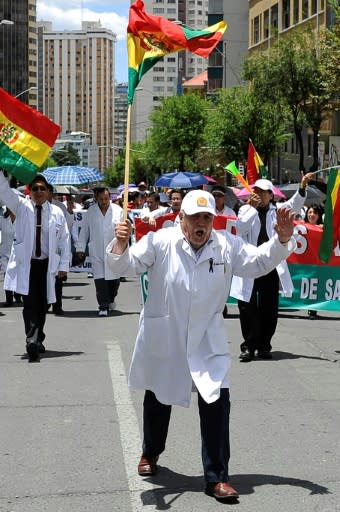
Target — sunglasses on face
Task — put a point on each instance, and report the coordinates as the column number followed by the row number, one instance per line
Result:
column 37, row 188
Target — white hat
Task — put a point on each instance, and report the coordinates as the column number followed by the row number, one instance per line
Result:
column 197, row 201
column 264, row 185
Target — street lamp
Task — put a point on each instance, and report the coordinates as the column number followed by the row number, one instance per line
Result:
column 33, row 88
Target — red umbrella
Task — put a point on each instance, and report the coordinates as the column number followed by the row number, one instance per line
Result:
column 243, row 194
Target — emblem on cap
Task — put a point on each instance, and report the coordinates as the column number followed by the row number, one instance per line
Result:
column 202, row 201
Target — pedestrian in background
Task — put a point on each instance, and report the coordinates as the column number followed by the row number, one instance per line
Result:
column 40, row 252
column 314, row 215
column 181, row 336
column 97, row 230
column 258, row 299
column 7, row 230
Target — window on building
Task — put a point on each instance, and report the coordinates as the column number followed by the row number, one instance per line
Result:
column 256, row 30
column 314, row 6
column 266, row 28
column 304, row 9
column 285, row 13
column 274, row 16
column 158, row 10
column 296, row 12
column 309, row 144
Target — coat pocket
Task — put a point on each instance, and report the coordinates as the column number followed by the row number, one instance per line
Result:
column 19, row 253
column 156, row 339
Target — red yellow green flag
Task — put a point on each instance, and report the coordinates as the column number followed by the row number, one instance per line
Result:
column 26, row 137
column 255, row 166
column 151, row 37
column 331, row 225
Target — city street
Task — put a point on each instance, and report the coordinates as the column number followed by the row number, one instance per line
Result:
column 70, row 429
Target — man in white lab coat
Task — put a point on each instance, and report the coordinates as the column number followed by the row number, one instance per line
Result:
column 97, row 230
column 40, row 252
column 181, row 336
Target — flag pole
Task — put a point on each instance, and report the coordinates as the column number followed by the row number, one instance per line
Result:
column 127, row 163
column 327, row 169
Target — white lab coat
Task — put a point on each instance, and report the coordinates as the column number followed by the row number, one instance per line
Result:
column 181, row 336
column 7, row 229
column 98, row 230
column 248, row 227
column 18, row 268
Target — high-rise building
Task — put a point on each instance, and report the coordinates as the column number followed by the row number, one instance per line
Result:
column 77, row 83
column 18, row 49
column 121, row 108
column 166, row 77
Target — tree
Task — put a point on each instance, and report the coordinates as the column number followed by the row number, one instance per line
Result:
column 236, row 116
column 177, row 133
column 284, row 75
column 66, row 156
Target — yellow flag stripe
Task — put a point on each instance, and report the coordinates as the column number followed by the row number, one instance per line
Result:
column 23, row 142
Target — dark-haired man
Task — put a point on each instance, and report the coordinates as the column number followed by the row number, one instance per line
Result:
column 40, row 252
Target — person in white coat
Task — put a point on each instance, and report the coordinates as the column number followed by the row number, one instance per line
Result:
column 181, row 336
column 258, row 299
column 97, row 230
column 7, row 235
column 39, row 253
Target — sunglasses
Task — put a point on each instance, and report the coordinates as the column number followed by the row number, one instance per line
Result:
column 37, row 188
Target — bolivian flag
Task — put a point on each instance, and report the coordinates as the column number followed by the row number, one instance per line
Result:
column 255, row 166
column 151, row 37
column 26, row 137
column 331, row 225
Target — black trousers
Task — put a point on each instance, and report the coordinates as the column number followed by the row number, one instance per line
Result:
column 214, row 423
column 58, row 292
column 35, row 303
column 258, row 317
column 106, row 291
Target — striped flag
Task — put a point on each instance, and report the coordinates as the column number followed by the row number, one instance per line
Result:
column 331, row 226
column 255, row 166
column 26, row 137
column 151, row 37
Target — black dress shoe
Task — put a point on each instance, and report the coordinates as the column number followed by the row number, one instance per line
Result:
column 58, row 312
column 32, row 348
column 147, row 466
column 42, row 348
column 221, row 491
column 246, row 355
column 264, row 354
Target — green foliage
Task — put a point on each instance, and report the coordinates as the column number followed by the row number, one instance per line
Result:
column 177, row 133
column 66, row 156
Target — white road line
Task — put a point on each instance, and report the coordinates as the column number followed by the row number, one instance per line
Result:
column 129, row 431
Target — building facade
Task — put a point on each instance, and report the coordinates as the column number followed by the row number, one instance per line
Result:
column 18, row 49
column 77, row 83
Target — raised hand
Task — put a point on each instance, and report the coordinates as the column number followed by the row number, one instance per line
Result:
column 285, row 224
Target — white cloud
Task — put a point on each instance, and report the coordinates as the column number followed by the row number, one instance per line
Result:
column 67, row 14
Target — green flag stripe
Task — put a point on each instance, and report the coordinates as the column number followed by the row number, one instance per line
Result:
column 23, row 169
column 326, row 244
column 135, row 76
column 191, row 33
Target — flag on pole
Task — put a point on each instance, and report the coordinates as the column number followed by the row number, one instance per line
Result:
column 151, row 37
column 331, row 225
column 255, row 166
column 26, row 137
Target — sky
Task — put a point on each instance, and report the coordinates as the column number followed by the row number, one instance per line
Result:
column 113, row 14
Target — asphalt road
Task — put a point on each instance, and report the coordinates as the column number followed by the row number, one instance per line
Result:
column 70, row 429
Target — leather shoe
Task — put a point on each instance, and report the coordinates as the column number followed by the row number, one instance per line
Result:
column 32, row 349
column 147, row 465
column 221, row 491
column 246, row 355
column 42, row 348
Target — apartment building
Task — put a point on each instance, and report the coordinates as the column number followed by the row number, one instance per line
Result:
column 77, row 83
column 18, row 49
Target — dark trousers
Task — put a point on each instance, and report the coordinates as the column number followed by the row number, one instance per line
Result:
column 35, row 303
column 58, row 292
column 258, row 317
column 214, row 423
column 10, row 295
column 106, row 291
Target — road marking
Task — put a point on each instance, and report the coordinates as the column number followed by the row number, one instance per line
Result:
column 129, row 432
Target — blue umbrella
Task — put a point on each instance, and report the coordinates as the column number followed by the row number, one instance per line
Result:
column 72, row 175
column 181, row 180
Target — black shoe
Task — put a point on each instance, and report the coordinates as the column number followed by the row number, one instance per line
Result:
column 264, row 354
column 32, row 348
column 312, row 315
column 42, row 348
column 225, row 311
column 7, row 304
column 58, row 311
column 246, row 355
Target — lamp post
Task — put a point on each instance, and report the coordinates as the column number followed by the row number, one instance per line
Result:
column 33, row 88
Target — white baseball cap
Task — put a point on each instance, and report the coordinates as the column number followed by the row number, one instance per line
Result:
column 264, row 185
column 197, row 201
